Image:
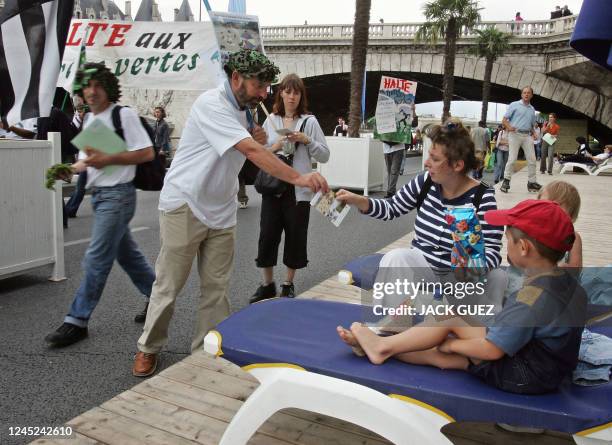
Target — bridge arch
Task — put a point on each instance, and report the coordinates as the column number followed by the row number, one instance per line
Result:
column 550, row 93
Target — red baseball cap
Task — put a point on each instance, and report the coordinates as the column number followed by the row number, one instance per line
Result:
column 545, row 221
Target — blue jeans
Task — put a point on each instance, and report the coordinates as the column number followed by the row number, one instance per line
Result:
column 72, row 206
column 111, row 240
column 538, row 149
column 501, row 157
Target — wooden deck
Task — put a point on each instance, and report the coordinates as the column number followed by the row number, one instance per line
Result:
column 194, row 400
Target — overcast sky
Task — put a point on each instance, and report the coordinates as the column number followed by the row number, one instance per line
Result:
column 274, row 12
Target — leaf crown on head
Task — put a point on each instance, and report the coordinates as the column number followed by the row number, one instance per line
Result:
column 251, row 63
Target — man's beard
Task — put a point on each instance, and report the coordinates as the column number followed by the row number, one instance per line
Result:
column 244, row 100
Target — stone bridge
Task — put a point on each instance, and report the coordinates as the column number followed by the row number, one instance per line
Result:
column 539, row 55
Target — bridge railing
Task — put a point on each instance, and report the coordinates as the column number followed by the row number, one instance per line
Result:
column 403, row 31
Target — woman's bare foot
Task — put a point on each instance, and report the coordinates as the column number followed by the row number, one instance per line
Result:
column 370, row 343
column 348, row 338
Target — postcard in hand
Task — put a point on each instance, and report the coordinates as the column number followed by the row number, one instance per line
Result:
column 329, row 206
column 283, row 132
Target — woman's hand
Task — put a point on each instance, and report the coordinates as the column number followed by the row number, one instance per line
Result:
column 297, row 136
column 278, row 145
column 361, row 202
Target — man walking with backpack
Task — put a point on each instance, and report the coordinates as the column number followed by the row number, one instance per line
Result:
column 113, row 201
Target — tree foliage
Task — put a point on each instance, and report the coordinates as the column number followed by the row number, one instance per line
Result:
column 448, row 19
column 490, row 44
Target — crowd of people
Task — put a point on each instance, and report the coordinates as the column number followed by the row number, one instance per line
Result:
column 198, row 212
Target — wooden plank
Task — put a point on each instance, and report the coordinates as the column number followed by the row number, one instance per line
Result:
column 111, row 428
column 221, row 365
column 207, row 361
column 322, row 297
column 227, row 385
column 176, row 420
column 165, row 394
column 75, row 439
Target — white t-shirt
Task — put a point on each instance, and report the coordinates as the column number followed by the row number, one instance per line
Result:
column 388, row 148
column 204, row 170
column 135, row 136
column 538, row 132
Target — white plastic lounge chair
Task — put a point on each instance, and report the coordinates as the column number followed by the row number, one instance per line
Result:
column 591, row 169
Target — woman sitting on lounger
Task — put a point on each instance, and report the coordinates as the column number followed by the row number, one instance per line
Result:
column 451, row 159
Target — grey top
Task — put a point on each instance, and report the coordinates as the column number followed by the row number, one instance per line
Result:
column 302, row 159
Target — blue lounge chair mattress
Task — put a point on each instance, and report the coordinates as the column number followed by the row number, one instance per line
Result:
column 303, row 332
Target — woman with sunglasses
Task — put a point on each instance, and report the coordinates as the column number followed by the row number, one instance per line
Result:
column 447, row 183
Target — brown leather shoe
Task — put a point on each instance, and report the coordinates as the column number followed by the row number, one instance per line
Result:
column 144, row 364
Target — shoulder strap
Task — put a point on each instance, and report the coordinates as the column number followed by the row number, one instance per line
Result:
column 304, row 124
column 482, row 188
column 424, row 191
column 116, row 117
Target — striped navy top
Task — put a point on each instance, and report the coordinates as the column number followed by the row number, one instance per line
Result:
column 432, row 235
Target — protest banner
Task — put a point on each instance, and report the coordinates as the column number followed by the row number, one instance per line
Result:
column 394, row 110
column 157, row 55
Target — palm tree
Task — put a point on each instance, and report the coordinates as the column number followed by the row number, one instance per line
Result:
column 448, row 18
column 490, row 44
column 358, row 63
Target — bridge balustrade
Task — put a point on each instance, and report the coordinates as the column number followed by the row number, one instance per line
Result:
column 403, row 31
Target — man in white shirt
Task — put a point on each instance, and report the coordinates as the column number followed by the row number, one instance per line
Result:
column 198, row 202
column 113, row 201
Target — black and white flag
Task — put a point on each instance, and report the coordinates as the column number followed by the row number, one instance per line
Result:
column 32, row 40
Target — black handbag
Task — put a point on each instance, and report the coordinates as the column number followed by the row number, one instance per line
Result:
column 266, row 184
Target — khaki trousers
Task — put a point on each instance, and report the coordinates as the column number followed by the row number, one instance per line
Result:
column 515, row 142
column 184, row 237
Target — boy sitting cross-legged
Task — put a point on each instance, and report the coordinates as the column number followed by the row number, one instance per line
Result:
column 534, row 341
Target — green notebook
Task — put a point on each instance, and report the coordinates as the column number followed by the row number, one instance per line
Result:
column 99, row 136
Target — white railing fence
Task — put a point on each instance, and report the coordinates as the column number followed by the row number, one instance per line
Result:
column 31, row 231
column 526, row 29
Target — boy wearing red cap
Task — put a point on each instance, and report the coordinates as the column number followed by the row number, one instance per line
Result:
column 534, row 341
